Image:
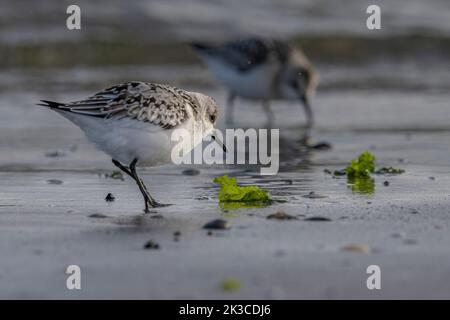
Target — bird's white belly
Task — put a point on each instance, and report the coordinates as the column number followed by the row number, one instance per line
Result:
column 255, row 83
column 127, row 139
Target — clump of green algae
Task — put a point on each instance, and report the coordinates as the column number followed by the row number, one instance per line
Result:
column 233, row 196
column 361, row 167
column 230, row 285
column 359, row 173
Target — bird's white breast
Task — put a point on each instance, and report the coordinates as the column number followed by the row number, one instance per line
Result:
column 127, row 139
column 255, row 83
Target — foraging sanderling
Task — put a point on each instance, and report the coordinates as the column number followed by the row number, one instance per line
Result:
column 132, row 122
column 263, row 70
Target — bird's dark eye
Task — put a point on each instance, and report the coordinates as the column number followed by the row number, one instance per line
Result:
column 212, row 117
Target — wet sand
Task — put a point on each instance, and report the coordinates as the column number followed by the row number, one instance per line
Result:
column 52, row 180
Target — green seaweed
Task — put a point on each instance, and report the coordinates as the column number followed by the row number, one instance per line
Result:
column 232, row 196
column 116, row 174
column 340, row 173
column 230, row 285
column 358, row 173
column 361, row 167
column 364, row 186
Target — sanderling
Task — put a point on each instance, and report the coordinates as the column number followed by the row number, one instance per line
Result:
column 263, row 70
column 132, row 122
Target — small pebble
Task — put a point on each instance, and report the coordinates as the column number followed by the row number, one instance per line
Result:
column 110, row 197
column 321, row 146
column 191, row 172
column 313, row 195
column 151, row 244
column 209, row 233
column 386, row 183
column 217, row 224
column 281, row 215
column 316, row 218
column 54, row 181
column 54, row 154
column 362, row 248
column 116, row 174
column 98, row 216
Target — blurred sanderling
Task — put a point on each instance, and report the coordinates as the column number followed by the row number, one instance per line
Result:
column 132, row 122
column 263, row 70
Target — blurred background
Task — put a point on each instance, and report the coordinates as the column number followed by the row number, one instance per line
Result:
column 395, row 78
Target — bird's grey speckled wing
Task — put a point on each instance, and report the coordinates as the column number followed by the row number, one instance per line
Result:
column 247, row 54
column 161, row 105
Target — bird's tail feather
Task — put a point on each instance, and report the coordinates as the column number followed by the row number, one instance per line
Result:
column 200, row 46
column 51, row 104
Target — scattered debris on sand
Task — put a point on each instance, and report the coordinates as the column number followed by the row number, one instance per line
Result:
column 54, row 181
column 217, row 224
column 98, row 216
column 55, row 154
column 116, row 174
column 322, row 145
column 281, row 215
column 151, row 245
column 313, row 195
column 317, row 219
column 191, row 172
column 389, row 170
column 109, row 197
column 361, row 248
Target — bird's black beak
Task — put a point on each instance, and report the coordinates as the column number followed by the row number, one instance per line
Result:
column 220, row 143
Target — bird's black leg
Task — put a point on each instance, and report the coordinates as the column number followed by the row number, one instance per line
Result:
column 230, row 107
column 269, row 113
column 309, row 112
column 138, row 182
column 122, row 167
column 148, row 199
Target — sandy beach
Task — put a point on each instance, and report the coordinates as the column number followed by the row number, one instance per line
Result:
column 392, row 102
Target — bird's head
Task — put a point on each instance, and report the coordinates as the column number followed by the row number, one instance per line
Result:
column 208, row 111
column 301, row 82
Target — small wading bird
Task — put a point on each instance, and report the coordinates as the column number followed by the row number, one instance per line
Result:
column 263, row 70
column 132, row 122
